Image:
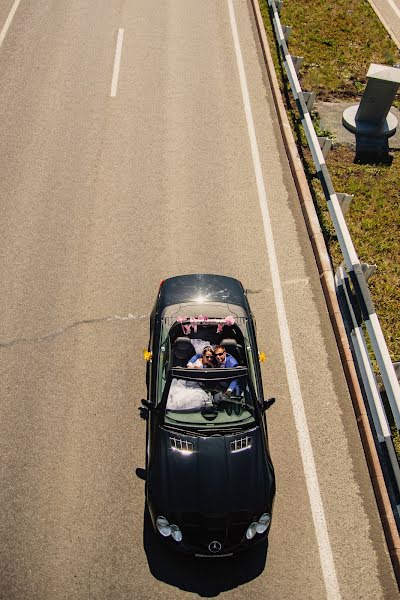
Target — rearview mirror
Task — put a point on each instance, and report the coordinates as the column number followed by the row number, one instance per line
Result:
column 268, row 403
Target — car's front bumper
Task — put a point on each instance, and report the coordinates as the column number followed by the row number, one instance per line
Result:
column 204, row 551
column 202, row 541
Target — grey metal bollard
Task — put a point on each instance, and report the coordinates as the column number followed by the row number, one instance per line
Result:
column 371, row 121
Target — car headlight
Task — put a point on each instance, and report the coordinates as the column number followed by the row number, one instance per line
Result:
column 251, row 531
column 163, row 526
column 259, row 526
column 263, row 523
column 176, row 533
column 168, row 530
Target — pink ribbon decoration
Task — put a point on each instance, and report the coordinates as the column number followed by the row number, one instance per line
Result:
column 227, row 321
column 185, row 328
column 194, row 321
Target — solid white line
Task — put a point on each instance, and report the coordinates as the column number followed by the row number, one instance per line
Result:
column 8, row 21
column 303, row 434
column 394, row 7
column 117, row 62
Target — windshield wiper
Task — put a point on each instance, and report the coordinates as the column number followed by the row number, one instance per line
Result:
column 239, row 403
column 236, row 403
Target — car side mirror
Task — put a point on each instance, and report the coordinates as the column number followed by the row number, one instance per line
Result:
column 145, row 409
column 268, row 403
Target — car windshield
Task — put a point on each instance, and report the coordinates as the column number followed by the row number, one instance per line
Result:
column 209, row 399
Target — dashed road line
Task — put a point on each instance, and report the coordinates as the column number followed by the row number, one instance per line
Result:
column 8, row 21
column 117, row 63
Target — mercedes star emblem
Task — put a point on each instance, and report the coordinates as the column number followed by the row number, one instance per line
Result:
column 215, row 546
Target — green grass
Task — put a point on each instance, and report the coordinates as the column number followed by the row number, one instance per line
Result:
column 338, row 41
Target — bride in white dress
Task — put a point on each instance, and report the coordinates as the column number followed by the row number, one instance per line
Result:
column 185, row 394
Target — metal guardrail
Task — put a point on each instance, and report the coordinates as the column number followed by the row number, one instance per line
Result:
column 353, row 323
column 351, row 282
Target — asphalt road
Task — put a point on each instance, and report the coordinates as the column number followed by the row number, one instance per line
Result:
column 102, row 197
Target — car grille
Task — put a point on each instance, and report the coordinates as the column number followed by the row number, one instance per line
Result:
column 201, row 529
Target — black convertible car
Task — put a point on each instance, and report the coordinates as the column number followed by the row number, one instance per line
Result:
column 210, row 481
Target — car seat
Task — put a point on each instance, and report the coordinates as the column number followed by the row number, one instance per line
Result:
column 233, row 348
column 183, row 350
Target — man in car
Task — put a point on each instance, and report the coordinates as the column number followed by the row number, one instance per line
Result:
column 226, row 361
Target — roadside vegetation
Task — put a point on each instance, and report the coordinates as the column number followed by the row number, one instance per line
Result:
column 338, row 41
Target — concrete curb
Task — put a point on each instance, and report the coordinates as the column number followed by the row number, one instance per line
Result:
column 328, row 286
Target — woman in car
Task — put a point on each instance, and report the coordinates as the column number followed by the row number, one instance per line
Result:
column 205, row 361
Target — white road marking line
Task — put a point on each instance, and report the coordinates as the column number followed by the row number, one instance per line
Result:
column 303, row 434
column 8, row 21
column 117, row 63
column 394, row 7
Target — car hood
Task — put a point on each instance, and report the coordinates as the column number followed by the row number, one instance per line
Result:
column 215, row 476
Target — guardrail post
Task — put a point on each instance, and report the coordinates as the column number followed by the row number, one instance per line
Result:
column 371, row 121
column 344, row 201
column 287, row 32
column 309, row 99
column 297, row 62
column 368, row 270
column 325, row 145
column 278, row 5
column 396, row 366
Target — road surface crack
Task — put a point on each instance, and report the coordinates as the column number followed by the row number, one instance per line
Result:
column 64, row 329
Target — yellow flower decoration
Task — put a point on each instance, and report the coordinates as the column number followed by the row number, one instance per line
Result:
column 147, row 355
column 262, row 357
